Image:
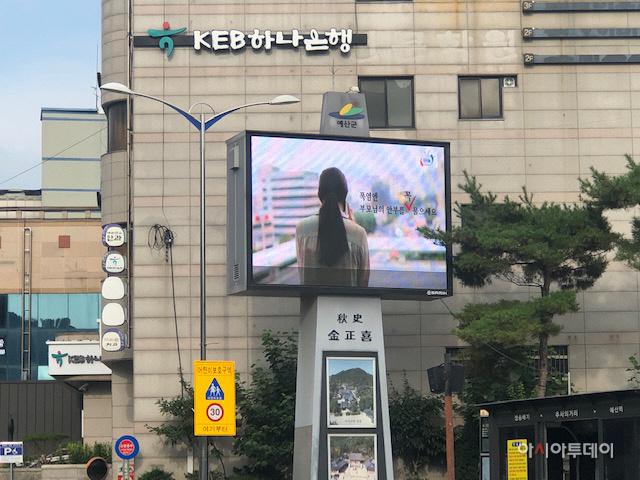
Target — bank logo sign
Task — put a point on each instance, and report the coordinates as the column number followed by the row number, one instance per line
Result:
column 220, row 41
column 165, row 36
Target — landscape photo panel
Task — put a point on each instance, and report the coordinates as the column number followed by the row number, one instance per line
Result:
column 352, row 457
column 351, row 392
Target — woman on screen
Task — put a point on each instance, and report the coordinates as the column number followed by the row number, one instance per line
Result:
column 331, row 248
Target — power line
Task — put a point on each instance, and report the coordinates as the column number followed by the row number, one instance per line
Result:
column 53, row 156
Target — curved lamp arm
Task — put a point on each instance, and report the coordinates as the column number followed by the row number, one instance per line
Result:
column 120, row 88
column 115, row 87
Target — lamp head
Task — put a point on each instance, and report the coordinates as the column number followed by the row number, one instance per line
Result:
column 284, row 100
column 115, row 87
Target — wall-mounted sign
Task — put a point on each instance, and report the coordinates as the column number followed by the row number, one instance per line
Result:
column 316, row 40
column 113, row 262
column 113, row 315
column 344, row 114
column 113, row 288
column 113, row 235
column 76, row 358
column 3, row 346
column 517, row 459
column 113, row 341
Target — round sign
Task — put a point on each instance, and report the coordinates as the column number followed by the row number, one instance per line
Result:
column 113, row 235
column 113, row 262
column 215, row 412
column 113, row 315
column 113, row 341
column 113, row 288
column 127, row 447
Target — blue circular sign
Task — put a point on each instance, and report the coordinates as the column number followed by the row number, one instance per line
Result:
column 127, row 447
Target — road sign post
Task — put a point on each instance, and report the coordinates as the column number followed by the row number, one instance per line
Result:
column 214, row 406
column 11, row 452
column 127, row 447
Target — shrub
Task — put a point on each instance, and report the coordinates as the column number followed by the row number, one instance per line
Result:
column 156, row 473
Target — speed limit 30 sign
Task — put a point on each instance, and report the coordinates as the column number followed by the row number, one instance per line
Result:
column 215, row 412
column 214, row 409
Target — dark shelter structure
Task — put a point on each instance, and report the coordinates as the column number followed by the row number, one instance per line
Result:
column 594, row 436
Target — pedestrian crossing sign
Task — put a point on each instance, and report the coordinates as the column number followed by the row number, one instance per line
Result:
column 214, row 392
column 214, row 405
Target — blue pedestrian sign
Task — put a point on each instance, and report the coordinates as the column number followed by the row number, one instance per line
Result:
column 10, row 452
column 214, row 392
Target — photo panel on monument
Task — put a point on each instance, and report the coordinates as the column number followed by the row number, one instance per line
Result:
column 352, row 456
column 351, row 392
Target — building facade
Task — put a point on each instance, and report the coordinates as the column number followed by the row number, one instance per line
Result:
column 521, row 106
column 50, row 281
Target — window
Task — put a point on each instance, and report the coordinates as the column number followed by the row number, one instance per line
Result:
column 389, row 101
column 480, row 97
column 117, row 126
column 51, row 315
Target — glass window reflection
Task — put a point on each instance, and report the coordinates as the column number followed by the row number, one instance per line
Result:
column 51, row 315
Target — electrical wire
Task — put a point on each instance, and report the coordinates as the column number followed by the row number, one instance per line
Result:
column 161, row 237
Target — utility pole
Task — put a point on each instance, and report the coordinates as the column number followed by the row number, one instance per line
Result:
column 448, row 417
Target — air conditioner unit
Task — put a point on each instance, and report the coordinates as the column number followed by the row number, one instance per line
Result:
column 509, row 82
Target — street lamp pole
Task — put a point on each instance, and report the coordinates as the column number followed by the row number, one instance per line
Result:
column 202, row 125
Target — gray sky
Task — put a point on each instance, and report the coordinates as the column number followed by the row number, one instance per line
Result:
column 48, row 60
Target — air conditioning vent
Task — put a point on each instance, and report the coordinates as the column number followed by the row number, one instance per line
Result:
column 236, row 272
column 509, row 82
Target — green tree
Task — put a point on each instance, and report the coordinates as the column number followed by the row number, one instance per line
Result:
column 417, row 429
column 267, row 409
column 529, row 245
column 179, row 430
column 614, row 193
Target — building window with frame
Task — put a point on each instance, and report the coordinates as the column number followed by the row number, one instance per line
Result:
column 480, row 98
column 389, row 101
column 116, row 126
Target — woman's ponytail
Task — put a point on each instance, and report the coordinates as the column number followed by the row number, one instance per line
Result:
column 332, row 236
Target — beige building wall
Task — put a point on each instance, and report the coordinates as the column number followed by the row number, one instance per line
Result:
column 558, row 122
column 72, row 142
column 55, row 269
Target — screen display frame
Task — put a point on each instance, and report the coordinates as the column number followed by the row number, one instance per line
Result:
column 257, row 288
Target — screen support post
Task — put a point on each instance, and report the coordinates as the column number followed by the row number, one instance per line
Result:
column 339, row 334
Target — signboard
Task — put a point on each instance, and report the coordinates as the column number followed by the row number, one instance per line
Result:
column 221, row 41
column 121, row 469
column 113, row 262
column 113, row 315
column 517, row 459
column 113, row 288
column 344, row 114
column 285, row 236
column 127, row 447
column 113, row 235
column 113, row 341
column 76, row 358
column 214, row 398
column 3, row 345
column 11, row 452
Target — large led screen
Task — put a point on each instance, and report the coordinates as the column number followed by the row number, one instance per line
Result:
column 306, row 233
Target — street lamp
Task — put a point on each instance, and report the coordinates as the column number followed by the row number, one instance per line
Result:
column 202, row 125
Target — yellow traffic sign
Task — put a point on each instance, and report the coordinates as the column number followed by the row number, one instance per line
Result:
column 214, row 405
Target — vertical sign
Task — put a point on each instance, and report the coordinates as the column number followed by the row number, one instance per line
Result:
column 214, row 405
column 517, row 459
